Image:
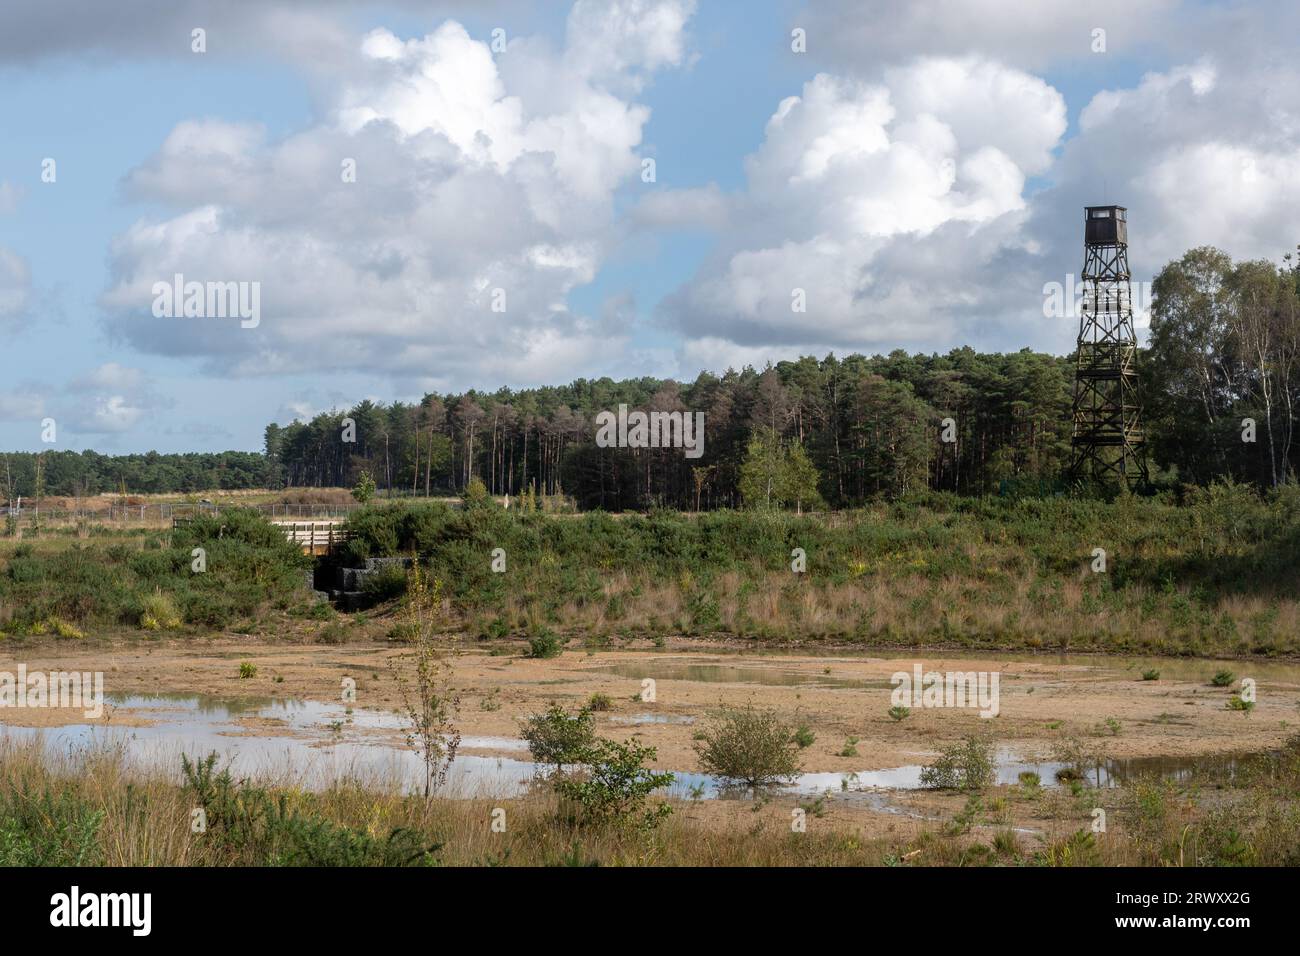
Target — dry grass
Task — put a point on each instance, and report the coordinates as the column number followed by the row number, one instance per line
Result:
column 147, row 822
column 1253, row 819
column 912, row 610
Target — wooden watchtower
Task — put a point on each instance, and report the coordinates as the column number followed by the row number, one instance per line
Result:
column 1108, row 445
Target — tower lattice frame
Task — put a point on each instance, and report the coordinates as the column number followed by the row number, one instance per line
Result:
column 1108, row 444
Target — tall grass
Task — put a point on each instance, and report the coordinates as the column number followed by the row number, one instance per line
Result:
column 87, row 808
column 1216, row 575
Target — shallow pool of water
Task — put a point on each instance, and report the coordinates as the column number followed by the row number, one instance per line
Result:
column 311, row 743
column 636, row 720
column 316, row 744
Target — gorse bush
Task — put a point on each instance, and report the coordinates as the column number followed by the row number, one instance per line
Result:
column 252, row 827
column 248, row 566
column 336, row 632
column 48, row 829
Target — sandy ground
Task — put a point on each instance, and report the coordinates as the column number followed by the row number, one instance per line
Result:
column 1042, row 701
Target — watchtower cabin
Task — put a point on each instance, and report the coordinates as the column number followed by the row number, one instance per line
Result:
column 1105, row 226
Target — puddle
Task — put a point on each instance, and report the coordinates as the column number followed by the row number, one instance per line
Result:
column 316, row 744
column 312, row 743
column 492, row 743
column 1009, row 766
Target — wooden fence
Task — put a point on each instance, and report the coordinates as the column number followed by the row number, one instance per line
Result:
column 313, row 537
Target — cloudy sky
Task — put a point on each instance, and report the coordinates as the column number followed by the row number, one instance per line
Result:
column 433, row 196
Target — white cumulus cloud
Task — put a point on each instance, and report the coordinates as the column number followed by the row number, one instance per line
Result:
column 484, row 193
column 875, row 203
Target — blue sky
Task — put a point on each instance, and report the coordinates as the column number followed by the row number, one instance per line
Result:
column 922, row 185
column 98, row 121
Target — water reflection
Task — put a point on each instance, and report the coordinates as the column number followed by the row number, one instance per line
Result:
column 316, row 744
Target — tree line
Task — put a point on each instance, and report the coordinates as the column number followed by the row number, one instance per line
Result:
column 1220, row 384
column 74, row 474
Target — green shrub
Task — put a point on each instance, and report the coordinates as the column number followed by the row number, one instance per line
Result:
column 249, row 564
column 1077, row 757
column 1078, row 849
column 558, row 738
column 248, row 825
column 364, row 489
column 385, row 584
column 963, row 766
column 159, row 612
column 750, row 746
column 237, row 526
column 62, row 628
column 615, row 787
column 545, row 644
column 476, row 494
column 336, row 632
column 48, row 829
column 403, row 632
column 390, row 529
